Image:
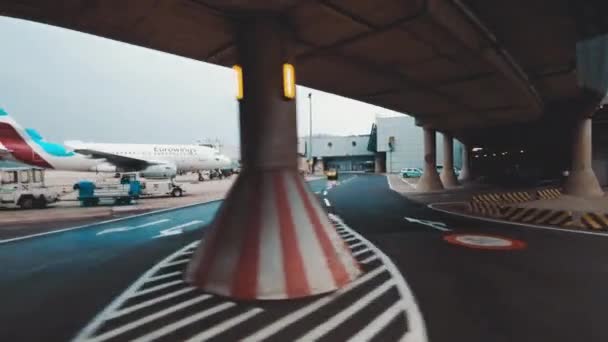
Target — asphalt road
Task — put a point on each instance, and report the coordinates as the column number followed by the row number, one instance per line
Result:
column 552, row 289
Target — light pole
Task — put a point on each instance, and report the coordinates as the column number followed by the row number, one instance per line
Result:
column 310, row 157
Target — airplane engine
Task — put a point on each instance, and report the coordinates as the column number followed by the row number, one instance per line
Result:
column 104, row 167
column 159, row 171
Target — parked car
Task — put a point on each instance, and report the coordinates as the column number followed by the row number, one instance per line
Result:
column 411, row 172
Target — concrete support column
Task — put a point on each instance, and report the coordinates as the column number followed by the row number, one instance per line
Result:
column 465, row 172
column 582, row 181
column 379, row 163
column 448, row 177
column 270, row 239
column 430, row 178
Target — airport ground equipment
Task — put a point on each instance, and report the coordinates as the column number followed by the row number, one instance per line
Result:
column 91, row 194
column 24, row 187
column 155, row 187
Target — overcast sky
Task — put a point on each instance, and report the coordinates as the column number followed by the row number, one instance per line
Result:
column 70, row 85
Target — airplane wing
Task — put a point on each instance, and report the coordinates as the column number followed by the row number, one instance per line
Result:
column 123, row 162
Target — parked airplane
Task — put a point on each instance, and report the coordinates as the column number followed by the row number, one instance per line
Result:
column 151, row 160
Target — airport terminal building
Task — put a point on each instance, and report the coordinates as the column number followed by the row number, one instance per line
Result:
column 371, row 152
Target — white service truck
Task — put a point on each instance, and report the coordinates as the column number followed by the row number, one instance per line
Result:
column 23, row 187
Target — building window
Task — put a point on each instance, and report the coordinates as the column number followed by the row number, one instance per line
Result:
column 354, row 143
column 329, row 144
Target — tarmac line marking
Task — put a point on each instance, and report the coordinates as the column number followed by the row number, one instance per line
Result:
column 326, row 202
column 146, row 319
column 167, row 329
column 536, row 226
column 152, row 223
column 107, row 313
column 324, row 192
column 150, row 302
column 157, row 287
column 388, row 180
column 224, row 326
column 327, row 326
column 368, row 260
column 178, row 262
column 163, row 276
column 179, row 229
column 417, row 332
column 293, row 317
column 412, row 185
column 127, row 228
column 357, row 245
column 364, row 250
column 353, row 238
column 433, row 224
column 379, row 323
column 90, row 225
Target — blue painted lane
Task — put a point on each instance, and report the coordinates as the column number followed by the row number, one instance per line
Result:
column 59, row 281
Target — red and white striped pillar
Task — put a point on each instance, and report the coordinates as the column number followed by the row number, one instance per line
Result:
column 271, row 239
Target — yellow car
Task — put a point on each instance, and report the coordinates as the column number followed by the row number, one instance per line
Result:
column 332, row 174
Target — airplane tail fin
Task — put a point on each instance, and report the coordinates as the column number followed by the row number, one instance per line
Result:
column 7, row 123
column 15, row 140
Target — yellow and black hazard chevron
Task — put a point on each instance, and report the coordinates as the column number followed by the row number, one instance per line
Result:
column 549, row 193
column 503, row 198
column 594, row 221
column 486, row 198
column 485, row 209
column 516, row 197
column 537, row 216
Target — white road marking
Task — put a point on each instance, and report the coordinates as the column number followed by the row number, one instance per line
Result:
column 364, row 250
column 146, row 319
column 357, row 245
column 167, row 329
column 127, row 228
column 368, row 260
column 106, row 222
column 417, row 329
column 433, row 224
column 412, row 185
column 335, row 320
column 104, row 315
column 178, row 262
column 157, row 287
column 149, row 302
column 324, row 192
column 225, row 325
column 327, row 202
column 293, row 317
column 350, row 239
column 176, row 229
column 379, row 323
column 536, row 226
column 388, row 180
column 164, row 276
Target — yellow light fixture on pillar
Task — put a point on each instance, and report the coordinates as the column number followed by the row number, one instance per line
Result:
column 289, row 81
column 239, row 81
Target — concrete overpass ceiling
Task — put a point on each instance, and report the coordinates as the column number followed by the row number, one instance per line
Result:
column 455, row 65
